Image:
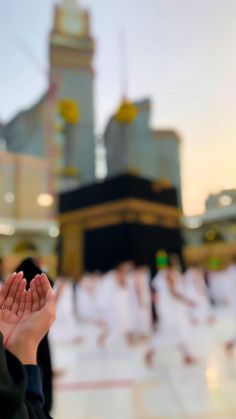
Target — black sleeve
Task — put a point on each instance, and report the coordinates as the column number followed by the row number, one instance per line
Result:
column 12, row 386
column 44, row 362
column 14, row 404
column 34, row 385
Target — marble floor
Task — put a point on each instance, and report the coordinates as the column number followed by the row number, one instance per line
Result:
column 115, row 383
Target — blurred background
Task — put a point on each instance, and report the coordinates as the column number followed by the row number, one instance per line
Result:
column 117, row 178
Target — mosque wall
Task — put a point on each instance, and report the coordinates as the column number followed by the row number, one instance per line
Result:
column 26, row 226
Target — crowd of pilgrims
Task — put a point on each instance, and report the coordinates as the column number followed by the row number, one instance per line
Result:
column 127, row 306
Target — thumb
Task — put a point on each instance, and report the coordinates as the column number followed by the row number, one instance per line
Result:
column 50, row 306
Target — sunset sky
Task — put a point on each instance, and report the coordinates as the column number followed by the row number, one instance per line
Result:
column 181, row 53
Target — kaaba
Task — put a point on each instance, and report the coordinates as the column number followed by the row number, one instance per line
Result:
column 122, row 218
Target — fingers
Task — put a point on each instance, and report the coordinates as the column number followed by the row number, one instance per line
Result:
column 5, row 288
column 13, row 289
column 35, row 294
column 15, row 298
column 47, row 297
column 32, row 300
column 28, row 302
column 43, row 286
column 50, row 306
column 20, row 290
column 21, row 308
column 40, row 291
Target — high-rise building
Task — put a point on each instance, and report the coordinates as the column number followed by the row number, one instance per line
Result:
column 71, row 71
column 61, row 125
column 134, row 147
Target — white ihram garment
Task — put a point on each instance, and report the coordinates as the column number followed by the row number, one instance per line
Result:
column 219, row 286
column 196, row 290
column 65, row 327
column 117, row 305
column 230, row 285
column 141, row 303
column 175, row 328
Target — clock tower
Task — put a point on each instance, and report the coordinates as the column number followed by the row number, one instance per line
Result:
column 71, row 71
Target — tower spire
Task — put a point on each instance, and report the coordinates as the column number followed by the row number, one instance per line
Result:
column 123, row 61
column 127, row 111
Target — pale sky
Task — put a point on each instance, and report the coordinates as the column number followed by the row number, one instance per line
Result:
column 181, row 54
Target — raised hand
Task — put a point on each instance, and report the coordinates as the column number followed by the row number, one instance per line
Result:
column 36, row 312
column 10, row 295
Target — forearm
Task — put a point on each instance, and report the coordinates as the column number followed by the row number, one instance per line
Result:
column 181, row 297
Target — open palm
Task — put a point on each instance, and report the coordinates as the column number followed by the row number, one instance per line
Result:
column 36, row 312
column 10, row 307
column 25, row 316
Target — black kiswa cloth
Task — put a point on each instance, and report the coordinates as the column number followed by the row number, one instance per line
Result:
column 15, row 403
column 31, row 269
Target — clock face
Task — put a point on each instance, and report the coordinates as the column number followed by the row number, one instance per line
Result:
column 73, row 24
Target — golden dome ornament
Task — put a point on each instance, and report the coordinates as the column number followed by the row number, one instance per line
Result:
column 69, row 111
column 72, row 172
column 127, row 113
column 161, row 185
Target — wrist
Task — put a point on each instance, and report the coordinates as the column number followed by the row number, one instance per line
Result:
column 25, row 352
